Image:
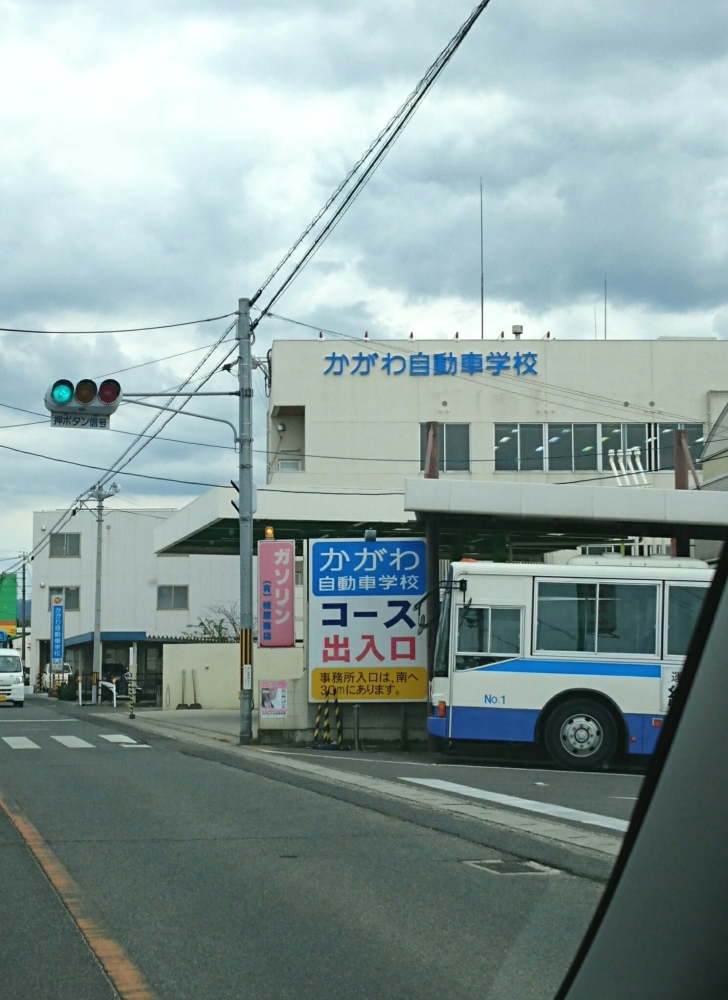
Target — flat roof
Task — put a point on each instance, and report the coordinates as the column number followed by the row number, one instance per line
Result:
column 210, row 523
column 569, row 509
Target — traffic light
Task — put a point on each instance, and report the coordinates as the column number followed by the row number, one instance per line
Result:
column 83, row 405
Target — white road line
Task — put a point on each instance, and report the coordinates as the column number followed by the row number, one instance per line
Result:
column 54, row 721
column 545, row 808
column 326, row 756
column 20, row 743
column 118, row 738
column 73, row 742
column 135, row 746
column 347, row 758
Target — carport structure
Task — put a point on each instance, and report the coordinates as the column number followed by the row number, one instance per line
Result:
column 505, row 521
column 498, row 521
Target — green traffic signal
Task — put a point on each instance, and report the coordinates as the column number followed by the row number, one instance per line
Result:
column 62, row 392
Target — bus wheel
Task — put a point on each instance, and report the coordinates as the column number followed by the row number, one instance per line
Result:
column 581, row 735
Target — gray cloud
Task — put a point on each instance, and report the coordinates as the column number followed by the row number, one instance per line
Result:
column 157, row 159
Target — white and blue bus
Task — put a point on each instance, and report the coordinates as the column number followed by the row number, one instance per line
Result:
column 581, row 658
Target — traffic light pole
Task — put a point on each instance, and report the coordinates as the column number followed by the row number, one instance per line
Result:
column 245, row 478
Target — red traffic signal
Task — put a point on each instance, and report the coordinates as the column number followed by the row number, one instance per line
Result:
column 109, row 391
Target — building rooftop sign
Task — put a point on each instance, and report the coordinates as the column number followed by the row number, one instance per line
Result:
column 424, row 365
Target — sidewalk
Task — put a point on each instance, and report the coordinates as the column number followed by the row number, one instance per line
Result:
column 221, row 725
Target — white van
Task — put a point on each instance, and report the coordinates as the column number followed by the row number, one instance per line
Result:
column 12, row 688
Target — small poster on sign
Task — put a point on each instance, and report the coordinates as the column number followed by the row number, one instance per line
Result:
column 273, row 699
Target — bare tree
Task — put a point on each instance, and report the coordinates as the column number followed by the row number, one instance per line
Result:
column 222, row 624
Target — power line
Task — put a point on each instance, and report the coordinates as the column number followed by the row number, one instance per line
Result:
column 156, row 361
column 366, row 165
column 504, row 377
column 100, row 468
column 132, row 329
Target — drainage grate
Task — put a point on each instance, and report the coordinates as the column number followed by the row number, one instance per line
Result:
column 512, row 867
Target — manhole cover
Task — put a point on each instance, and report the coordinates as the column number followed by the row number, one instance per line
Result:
column 513, row 867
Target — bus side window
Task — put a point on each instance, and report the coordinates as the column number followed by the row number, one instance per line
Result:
column 683, row 607
column 486, row 635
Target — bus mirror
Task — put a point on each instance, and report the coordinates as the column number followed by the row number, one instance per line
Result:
column 422, row 625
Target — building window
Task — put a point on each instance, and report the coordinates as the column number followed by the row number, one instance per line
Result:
column 65, row 546
column 289, row 464
column 172, row 598
column 454, row 443
column 572, row 447
column 71, row 597
column 665, row 449
column 519, row 447
column 620, row 449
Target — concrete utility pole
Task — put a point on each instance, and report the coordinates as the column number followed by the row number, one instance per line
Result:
column 681, row 543
column 99, row 495
column 22, row 614
column 432, row 556
column 245, row 480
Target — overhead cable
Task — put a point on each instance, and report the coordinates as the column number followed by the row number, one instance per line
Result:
column 365, row 166
column 132, row 329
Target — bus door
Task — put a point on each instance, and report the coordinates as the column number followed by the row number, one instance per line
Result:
column 485, row 635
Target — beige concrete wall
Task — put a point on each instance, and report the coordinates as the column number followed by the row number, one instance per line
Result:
column 217, row 673
column 377, row 417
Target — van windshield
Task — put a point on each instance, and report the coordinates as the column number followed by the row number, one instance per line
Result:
column 9, row 664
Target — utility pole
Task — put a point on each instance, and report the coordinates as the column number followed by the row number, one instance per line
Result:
column 482, row 314
column 432, row 555
column 22, row 614
column 245, row 480
column 99, row 494
column 681, row 543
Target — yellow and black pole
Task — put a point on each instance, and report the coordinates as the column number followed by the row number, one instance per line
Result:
column 339, row 727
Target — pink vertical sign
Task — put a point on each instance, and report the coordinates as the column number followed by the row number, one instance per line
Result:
column 276, row 577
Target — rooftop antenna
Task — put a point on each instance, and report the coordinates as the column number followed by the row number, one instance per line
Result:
column 481, row 260
column 605, row 307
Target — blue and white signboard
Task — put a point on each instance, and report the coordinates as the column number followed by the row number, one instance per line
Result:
column 363, row 641
column 57, row 633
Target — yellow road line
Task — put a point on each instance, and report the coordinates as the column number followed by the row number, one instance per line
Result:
column 126, row 978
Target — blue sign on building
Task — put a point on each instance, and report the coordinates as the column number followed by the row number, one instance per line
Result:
column 424, row 365
column 57, row 634
column 384, row 568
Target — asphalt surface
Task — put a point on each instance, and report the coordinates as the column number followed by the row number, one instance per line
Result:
column 607, row 793
column 221, row 879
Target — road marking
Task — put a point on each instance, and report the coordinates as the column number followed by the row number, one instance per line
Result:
column 350, row 758
column 73, row 742
column 118, row 738
column 20, row 743
column 124, row 975
column 531, row 805
column 135, row 746
column 630, row 798
column 22, row 722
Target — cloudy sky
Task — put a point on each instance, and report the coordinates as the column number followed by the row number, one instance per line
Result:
column 156, row 159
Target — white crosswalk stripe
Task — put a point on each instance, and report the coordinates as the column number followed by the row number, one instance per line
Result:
column 117, row 738
column 20, row 743
column 73, row 742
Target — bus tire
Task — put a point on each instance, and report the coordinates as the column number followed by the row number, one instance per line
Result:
column 581, row 735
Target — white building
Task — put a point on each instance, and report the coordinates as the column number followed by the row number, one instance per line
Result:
column 351, row 413
column 146, row 598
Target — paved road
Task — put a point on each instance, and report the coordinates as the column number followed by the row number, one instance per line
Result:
column 217, row 876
